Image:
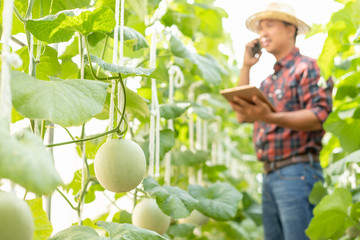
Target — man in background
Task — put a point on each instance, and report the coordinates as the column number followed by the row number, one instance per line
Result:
column 287, row 141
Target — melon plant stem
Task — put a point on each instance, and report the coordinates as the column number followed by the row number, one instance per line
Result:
column 50, row 140
column 135, row 197
column 90, row 64
column 102, row 53
column 112, row 202
column 66, row 199
column 84, row 174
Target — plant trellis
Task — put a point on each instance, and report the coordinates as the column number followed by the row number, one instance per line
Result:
column 176, row 79
column 154, row 144
column 5, row 93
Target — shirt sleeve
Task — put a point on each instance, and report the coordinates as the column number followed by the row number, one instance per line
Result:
column 314, row 92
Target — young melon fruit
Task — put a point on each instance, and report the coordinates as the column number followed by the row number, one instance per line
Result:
column 196, row 218
column 16, row 219
column 120, row 165
column 148, row 215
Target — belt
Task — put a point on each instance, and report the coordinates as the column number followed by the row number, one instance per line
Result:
column 304, row 158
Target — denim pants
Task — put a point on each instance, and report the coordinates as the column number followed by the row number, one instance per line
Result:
column 286, row 208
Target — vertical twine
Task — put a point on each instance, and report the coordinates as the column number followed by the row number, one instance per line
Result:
column 121, row 97
column 176, row 78
column 5, row 92
column 191, row 97
column 153, row 138
column 114, row 61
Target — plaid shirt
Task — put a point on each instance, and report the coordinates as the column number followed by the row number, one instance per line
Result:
column 293, row 86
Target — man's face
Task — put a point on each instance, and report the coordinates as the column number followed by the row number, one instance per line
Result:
column 274, row 35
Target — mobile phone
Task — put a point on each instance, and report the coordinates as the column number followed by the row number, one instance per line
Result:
column 256, row 49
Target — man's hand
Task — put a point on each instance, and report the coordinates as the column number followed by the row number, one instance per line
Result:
column 247, row 112
column 300, row 120
column 249, row 58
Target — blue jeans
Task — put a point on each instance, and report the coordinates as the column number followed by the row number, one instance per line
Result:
column 286, row 208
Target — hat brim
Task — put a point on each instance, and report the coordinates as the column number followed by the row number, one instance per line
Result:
column 252, row 23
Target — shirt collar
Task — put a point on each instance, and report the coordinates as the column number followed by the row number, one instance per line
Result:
column 287, row 61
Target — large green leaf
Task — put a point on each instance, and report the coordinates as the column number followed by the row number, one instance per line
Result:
column 327, row 225
column 344, row 130
column 331, row 216
column 25, row 161
column 64, row 102
column 189, row 158
column 208, row 67
column 43, row 227
column 78, row 233
column 340, row 200
column 116, row 232
column 62, row 26
column 219, row 201
column 171, row 111
column 125, row 71
column 129, row 232
column 173, row 201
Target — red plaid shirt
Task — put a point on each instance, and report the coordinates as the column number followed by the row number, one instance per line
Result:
column 293, row 86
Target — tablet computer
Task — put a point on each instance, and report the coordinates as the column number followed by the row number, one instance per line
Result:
column 246, row 92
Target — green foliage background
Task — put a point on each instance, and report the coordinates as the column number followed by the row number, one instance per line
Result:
column 54, row 93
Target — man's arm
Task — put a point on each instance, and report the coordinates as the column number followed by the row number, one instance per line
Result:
column 244, row 78
column 249, row 61
column 301, row 120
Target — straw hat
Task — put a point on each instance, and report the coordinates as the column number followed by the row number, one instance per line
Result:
column 279, row 11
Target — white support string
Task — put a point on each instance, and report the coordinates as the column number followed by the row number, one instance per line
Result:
column 122, row 22
column 199, row 123
column 191, row 97
column 154, row 138
column 201, row 134
column 227, row 155
column 220, row 148
column 114, row 61
column 176, row 79
column 5, row 101
column 216, row 146
column 121, row 97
